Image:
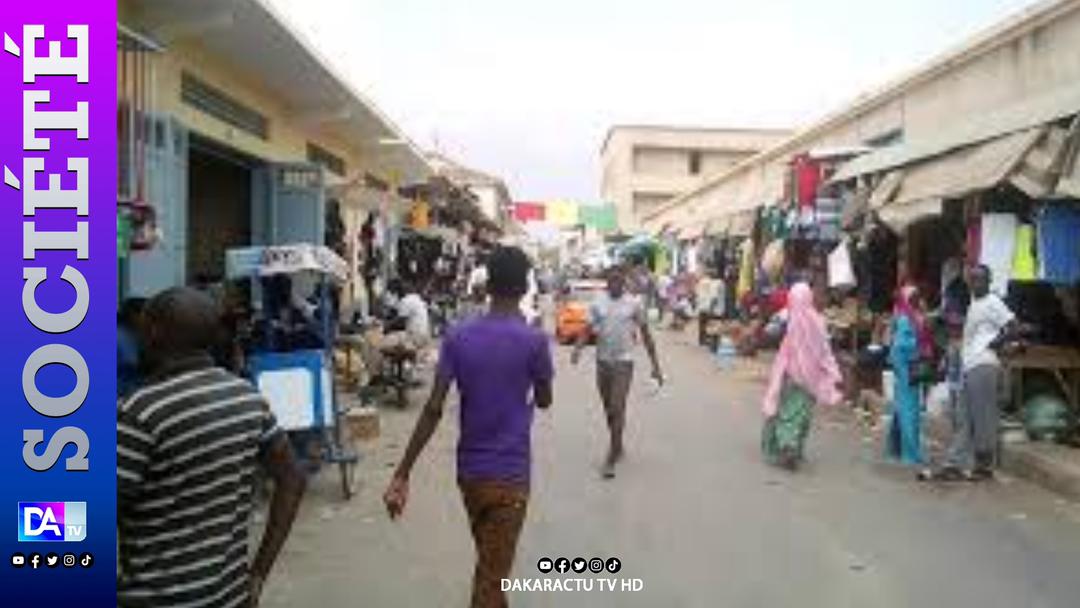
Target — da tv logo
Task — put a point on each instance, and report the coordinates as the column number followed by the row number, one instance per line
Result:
column 52, row 522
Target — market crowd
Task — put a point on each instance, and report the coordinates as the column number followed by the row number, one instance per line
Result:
column 193, row 435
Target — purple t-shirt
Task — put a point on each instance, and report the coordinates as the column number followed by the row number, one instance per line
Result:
column 495, row 362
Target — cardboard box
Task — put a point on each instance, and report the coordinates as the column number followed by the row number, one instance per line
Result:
column 363, row 423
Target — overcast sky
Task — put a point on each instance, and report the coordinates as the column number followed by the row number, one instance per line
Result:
column 527, row 90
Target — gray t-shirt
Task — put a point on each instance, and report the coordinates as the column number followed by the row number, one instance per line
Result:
column 616, row 325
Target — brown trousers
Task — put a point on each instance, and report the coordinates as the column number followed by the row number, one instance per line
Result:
column 496, row 513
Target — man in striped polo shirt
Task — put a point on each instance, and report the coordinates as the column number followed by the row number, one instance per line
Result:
column 188, row 444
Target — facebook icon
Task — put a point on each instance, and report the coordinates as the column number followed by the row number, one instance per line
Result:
column 52, row 521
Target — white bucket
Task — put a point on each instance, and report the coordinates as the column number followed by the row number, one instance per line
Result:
column 888, row 383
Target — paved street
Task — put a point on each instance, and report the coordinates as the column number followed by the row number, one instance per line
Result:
column 693, row 513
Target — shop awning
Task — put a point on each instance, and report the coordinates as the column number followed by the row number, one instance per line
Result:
column 1069, row 185
column 885, row 190
column 1033, row 112
column 694, row 231
column 1040, row 161
column 1051, row 163
column 962, row 172
column 855, row 208
column 739, row 223
column 899, row 217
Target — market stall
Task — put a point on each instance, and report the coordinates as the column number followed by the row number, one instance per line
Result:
column 1005, row 202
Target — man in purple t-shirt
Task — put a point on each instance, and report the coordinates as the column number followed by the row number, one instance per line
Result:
column 497, row 361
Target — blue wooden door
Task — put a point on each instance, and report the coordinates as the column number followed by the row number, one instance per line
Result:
column 295, row 205
column 163, row 266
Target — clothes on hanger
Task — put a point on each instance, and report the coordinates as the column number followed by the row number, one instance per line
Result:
column 997, row 248
column 1059, row 244
column 1024, row 261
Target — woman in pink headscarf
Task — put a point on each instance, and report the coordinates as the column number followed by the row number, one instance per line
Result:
column 804, row 374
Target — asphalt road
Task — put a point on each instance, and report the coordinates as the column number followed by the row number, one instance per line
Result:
column 693, row 514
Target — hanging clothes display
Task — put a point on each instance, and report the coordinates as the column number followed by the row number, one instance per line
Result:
column 774, row 223
column 420, row 215
column 1059, row 245
column 746, row 270
column 841, row 274
column 1024, row 264
column 662, row 261
column 997, row 247
column 806, row 223
column 807, row 180
column 973, row 240
column 692, row 254
column 772, row 261
column 829, row 213
column 876, row 269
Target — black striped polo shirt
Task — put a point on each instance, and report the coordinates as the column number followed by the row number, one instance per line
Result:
column 188, row 444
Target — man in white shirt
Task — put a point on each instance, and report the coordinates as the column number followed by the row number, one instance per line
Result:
column 413, row 310
column 990, row 327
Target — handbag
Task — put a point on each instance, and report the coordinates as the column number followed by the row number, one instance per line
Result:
column 922, row 371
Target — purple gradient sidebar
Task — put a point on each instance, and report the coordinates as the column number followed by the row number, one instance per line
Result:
column 94, row 339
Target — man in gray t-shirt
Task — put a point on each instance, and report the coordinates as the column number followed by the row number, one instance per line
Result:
column 617, row 319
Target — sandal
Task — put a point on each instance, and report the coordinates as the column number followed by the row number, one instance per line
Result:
column 946, row 474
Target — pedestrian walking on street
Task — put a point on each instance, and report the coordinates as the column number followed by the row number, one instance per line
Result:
column 804, row 374
column 990, row 328
column 617, row 318
column 496, row 360
column 911, row 350
column 188, row 445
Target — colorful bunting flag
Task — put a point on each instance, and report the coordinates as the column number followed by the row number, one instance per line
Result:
column 563, row 213
column 601, row 218
column 530, row 212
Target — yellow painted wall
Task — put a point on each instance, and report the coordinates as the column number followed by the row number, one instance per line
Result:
column 287, row 140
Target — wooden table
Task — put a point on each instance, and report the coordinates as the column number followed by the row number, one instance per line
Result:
column 1061, row 361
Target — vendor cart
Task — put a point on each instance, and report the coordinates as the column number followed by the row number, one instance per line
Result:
column 296, row 375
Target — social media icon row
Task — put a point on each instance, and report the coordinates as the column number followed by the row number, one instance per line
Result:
column 51, row 560
column 579, row 565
